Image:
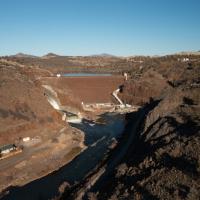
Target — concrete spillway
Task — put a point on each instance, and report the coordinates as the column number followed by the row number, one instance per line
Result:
column 53, row 102
column 115, row 95
column 52, row 97
column 68, row 114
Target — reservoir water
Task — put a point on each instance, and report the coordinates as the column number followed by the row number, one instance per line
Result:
column 83, row 74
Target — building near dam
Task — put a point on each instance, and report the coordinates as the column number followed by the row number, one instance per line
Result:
column 7, row 149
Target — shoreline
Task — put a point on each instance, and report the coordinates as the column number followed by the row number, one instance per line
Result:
column 59, row 175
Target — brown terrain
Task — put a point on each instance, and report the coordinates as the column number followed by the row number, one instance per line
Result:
column 25, row 112
column 158, row 155
column 162, row 160
column 20, row 96
column 96, row 89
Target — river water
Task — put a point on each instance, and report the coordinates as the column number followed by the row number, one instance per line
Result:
column 98, row 137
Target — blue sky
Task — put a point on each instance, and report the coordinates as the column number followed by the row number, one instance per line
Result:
column 85, row 27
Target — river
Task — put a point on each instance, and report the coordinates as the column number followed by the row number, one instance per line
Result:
column 98, row 137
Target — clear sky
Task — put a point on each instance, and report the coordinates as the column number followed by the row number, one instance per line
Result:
column 85, row 27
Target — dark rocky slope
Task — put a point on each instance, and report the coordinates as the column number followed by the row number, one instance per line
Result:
column 164, row 161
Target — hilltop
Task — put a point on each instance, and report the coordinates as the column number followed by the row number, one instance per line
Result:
column 22, row 55
column 50, row 55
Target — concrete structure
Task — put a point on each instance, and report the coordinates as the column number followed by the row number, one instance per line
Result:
column 26, row 139
column 94, row 89
column 74, row 119
column 184, row 59
column 7, row 149
column 97, row 106
column 71, row 117
column 126, row 76
column 118, row 99
column 51, row 97
column 64, row 116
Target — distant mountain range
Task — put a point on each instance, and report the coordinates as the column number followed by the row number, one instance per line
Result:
column 22, row 55
column 103, row 55
column 50, row 55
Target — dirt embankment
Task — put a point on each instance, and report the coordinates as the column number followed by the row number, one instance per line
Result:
column 85, row 89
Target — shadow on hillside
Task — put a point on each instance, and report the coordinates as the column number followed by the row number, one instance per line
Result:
column 147, row 144
column 151, row 142
column 111, row 184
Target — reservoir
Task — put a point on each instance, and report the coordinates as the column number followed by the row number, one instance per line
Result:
column 84, row 75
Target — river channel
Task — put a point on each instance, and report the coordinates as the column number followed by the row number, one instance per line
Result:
column 98, row 138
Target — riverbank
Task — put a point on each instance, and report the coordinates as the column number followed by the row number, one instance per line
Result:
column 25, row 113
column 162, row 161
column 95, row 179
column 98, row 138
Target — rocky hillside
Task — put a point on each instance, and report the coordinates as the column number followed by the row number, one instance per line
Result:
column 23, row 106
column 58, row 64
column 163, row 160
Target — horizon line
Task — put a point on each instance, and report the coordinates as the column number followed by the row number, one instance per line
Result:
column 102, row 54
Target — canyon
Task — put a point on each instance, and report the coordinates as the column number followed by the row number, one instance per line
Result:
column 147, row 149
